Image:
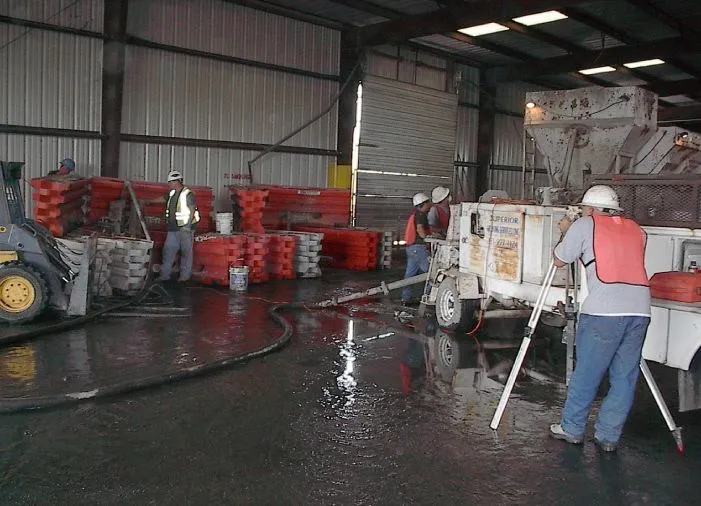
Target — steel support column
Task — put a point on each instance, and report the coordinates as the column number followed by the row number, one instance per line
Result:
column 113, row 55
column 348, row 100
column 485, row 138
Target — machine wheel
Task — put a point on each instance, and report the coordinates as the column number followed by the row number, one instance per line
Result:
column 450, row 310
column 23, row 293
column 448, row 353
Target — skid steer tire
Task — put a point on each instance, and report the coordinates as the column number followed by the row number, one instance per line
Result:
column 23, row 293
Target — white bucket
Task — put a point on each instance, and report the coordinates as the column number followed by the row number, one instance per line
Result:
column 238, row 279
column 225, row 223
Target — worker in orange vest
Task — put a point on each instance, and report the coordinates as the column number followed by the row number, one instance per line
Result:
column 613, row 319
column 417, row 229
column 439, row 215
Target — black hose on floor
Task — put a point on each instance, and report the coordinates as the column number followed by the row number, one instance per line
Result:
column 27, row 334
column 15, row 405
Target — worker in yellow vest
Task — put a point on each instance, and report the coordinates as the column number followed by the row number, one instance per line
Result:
column 182, row 216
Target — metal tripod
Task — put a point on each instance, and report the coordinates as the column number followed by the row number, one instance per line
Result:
column 518, row 363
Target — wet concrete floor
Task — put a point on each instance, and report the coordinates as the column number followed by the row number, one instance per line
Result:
column 322, row 421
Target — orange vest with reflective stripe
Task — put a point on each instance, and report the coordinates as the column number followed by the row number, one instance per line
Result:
column 410, row 231
column 443, row 217
column 619, row 251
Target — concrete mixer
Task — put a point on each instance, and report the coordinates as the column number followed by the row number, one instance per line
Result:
column 497, row 253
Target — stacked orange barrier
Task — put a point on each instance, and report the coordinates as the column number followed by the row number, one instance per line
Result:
column 215, row 254
column 351, row 249
column 317, row 207
column 281, row 256
column 103, row 191
column 255, row 257
column 251, row 204
column 60, row 203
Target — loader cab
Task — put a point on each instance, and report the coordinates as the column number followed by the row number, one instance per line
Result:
column 11, row 203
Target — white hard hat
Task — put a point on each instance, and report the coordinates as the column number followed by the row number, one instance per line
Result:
column 439, row 193
column 602, row 197
column 174, row 175
column 420, row 198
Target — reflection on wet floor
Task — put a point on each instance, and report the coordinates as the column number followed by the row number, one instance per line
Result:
column 323, row 421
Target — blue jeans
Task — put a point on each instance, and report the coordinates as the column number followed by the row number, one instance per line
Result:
column 612, row 343
column 417, row 262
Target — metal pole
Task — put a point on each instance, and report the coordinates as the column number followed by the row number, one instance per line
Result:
column 530, row 329
column 662, row 405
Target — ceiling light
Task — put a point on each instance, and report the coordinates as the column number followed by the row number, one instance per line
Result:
column 644, row 63
column 476, row 31
column 530, row 105
column 597, row 70
column 540, row 18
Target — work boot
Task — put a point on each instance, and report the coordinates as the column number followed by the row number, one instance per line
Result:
column 605, row 446
column 557, row 432
column 405, row 371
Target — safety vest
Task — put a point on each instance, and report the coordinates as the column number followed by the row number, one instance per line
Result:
column 182, row 211
column 410, row 231
column 619, row 251
column 443, row 217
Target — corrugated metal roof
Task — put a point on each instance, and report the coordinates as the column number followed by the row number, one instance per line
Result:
column 577, row 33
column 666, row 72
column 332, row 11
column 634, row 22
column 524, row 43
column 478, row 54
column 408, row 6
column 686, row 11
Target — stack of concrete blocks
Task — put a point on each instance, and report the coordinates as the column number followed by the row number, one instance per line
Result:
column 119, row 264
column 308, row 254
column 385, row 250
column 130, row 264
column 72, row 252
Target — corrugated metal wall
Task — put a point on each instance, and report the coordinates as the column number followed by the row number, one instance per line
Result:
column 83, row 14
column 178, row 95
column 507, row 148
column 220, row 167
column 408, row 66
column 51, row 80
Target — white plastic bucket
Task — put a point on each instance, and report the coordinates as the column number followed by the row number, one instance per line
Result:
column 238, row 279
column 224, row 223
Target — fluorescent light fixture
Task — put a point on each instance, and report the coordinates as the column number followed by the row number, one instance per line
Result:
column 540, row 18
column 597, row 70
column 644, row 63
column 476, row 31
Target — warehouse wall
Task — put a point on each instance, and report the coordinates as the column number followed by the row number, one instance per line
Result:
column 199, row 100
column 168, row 94
column 51, row 80
column 507, row 148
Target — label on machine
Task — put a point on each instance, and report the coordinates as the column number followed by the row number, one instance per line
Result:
column 491, row 242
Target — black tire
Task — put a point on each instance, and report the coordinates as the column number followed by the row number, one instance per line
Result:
column 13, row 311
column 449, row 354
column 451, row 311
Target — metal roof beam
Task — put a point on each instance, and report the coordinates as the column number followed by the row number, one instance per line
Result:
column 450, row 19
column 679, row 114
column 671, row 88
column 609, row 30
column 659, row 14
column 619, row 55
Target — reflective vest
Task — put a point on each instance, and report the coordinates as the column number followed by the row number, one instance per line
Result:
column 410, row 231
column 443, row 217
column 182, row 211
column 619, row 251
